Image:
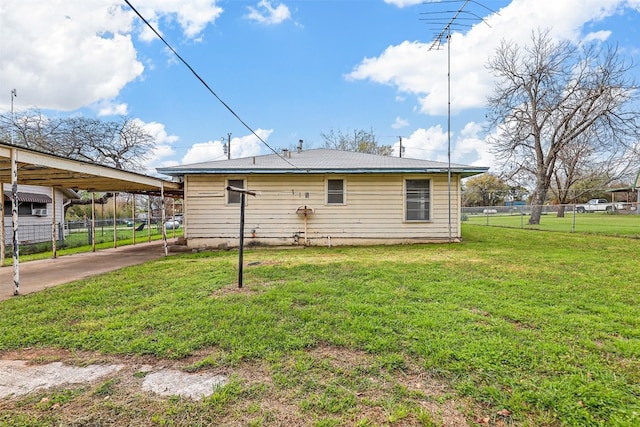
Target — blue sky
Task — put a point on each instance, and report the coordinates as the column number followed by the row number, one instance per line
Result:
column 290, row 69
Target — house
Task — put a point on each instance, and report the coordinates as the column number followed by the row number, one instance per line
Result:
column 321, row 197
column 35, row 212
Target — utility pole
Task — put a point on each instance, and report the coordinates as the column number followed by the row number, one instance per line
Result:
column 401, row 148
column 229, row 146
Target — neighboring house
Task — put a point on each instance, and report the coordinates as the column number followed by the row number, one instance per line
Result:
column 322, row 197
column 35, row 215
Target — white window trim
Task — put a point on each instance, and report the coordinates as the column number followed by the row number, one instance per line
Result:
column 226, row 195
column 404, row 200
column 326, row 190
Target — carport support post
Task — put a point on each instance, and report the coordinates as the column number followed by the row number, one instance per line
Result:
column 54, row 246
column 241, row 242
column 115, row 223
column 149, row 218
column 93, row 222
column 133, row 218
column 14, row 217
column 163, row 217
column 2, row 229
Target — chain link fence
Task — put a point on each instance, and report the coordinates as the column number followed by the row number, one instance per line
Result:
column 614, row 219
column 69, row 234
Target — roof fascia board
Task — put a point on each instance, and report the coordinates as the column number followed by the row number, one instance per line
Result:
column 179, row 172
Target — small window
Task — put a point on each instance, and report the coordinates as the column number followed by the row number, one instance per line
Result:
column 418, row 203
column 335, row 191
column 233, row 198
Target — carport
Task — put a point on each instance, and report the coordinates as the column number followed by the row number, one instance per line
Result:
column 23, row 166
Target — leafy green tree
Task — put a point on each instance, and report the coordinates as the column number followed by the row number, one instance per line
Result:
column 485, row 190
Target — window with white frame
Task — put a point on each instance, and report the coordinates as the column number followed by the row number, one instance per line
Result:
column 335, row 191
column 233, row 197
column 418, row 200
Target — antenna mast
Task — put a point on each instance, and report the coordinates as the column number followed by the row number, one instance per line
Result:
column 439, row 19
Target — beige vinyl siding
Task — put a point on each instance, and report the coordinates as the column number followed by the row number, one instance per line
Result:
column 374, row 209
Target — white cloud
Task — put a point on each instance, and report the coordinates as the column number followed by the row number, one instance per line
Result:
column 158, row 132
column 65, row 55
column 414, row 69
column 192, row 16
column 428, row 144
column 266, row 13
column 249, row 145
column 204, row 152
column 245, row 146
column 469, row 144
column 110, row 108
column 400, row 123
column 404, row 3
column 162, row 150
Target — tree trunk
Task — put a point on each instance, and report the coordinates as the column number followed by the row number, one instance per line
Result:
column 537, row 202
column 561, row 211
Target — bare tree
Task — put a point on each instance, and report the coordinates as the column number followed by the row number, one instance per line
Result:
column 558, row 106
column 122, row 144
column 361, row 141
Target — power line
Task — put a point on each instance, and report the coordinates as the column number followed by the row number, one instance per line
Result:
column 205, row 83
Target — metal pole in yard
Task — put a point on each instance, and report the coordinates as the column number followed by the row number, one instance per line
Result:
column 241, row 243
column 573, row 225
column 241, row 246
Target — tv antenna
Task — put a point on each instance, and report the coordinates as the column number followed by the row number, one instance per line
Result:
column 442, row 21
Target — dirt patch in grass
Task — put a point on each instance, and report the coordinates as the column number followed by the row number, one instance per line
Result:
column 325, row 385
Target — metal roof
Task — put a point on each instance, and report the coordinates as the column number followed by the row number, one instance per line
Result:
column 28, row 197
column 44, row 169
column 320, row 161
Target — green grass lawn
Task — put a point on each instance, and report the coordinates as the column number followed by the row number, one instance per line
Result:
column 517, row 327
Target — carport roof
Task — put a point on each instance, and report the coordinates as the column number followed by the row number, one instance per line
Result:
column 38, row 168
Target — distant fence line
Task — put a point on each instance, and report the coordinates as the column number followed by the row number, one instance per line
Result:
column 620, row 220
column 39, row 233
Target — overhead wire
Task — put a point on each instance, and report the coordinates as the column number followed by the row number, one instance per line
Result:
column 193, row 71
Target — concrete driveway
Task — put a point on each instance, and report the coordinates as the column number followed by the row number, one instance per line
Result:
column 38, row 275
